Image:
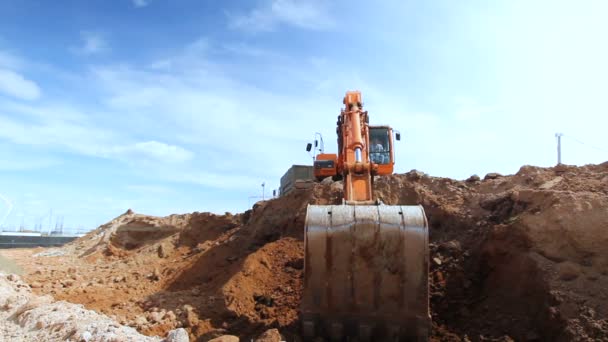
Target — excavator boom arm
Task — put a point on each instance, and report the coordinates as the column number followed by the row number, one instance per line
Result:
column 354, row 155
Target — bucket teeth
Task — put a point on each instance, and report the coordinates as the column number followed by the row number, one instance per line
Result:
column 366, row 273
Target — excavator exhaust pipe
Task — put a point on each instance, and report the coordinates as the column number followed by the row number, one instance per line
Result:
column 366, row 273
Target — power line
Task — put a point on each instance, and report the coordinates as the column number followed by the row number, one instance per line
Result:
column 583, row 143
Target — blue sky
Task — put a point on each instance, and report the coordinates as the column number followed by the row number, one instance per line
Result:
column 179, row 106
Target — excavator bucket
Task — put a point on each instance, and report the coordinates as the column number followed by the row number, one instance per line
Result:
column 366, row 273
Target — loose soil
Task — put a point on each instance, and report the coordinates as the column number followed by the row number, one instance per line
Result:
column 520, row 257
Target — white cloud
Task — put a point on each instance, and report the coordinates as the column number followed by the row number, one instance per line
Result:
column 235, row 128
column 304, row 14
column 92, row 43
column 53, row 131
column 140, row 3
column 60, row 127
column 23, row 163
column 300, row 13
column 15, row 85
column 242, row 49
column 255, row 21
column 9, row 61
column 152, row 150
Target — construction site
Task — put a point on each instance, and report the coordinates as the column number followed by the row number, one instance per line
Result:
column 136, row 135
column 348, row 252
column 512, row 258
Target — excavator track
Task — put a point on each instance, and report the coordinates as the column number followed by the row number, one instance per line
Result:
column 366, row 273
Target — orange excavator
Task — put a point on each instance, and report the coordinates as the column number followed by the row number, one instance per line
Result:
column 365, row 263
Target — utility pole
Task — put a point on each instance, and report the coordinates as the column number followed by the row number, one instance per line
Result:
column 263, row 185
column 559, row 147
column 50, row 220
column 321, row 146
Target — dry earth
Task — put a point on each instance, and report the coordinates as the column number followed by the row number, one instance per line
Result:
column 519, row 257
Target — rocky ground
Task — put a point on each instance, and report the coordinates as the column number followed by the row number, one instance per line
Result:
column 29, row 317
column 518, row 257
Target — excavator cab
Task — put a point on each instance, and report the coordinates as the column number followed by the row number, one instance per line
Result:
column 381, row 153
column 381, row 150
column 325, row 165
column 365, row 263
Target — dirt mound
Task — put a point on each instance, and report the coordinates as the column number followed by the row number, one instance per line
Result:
column 520, row 256
column 128, row 231
column 512, row 257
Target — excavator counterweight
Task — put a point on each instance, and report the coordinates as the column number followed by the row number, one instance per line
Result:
column 366, row 263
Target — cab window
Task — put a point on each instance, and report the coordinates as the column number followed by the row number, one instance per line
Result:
column 379, row 149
